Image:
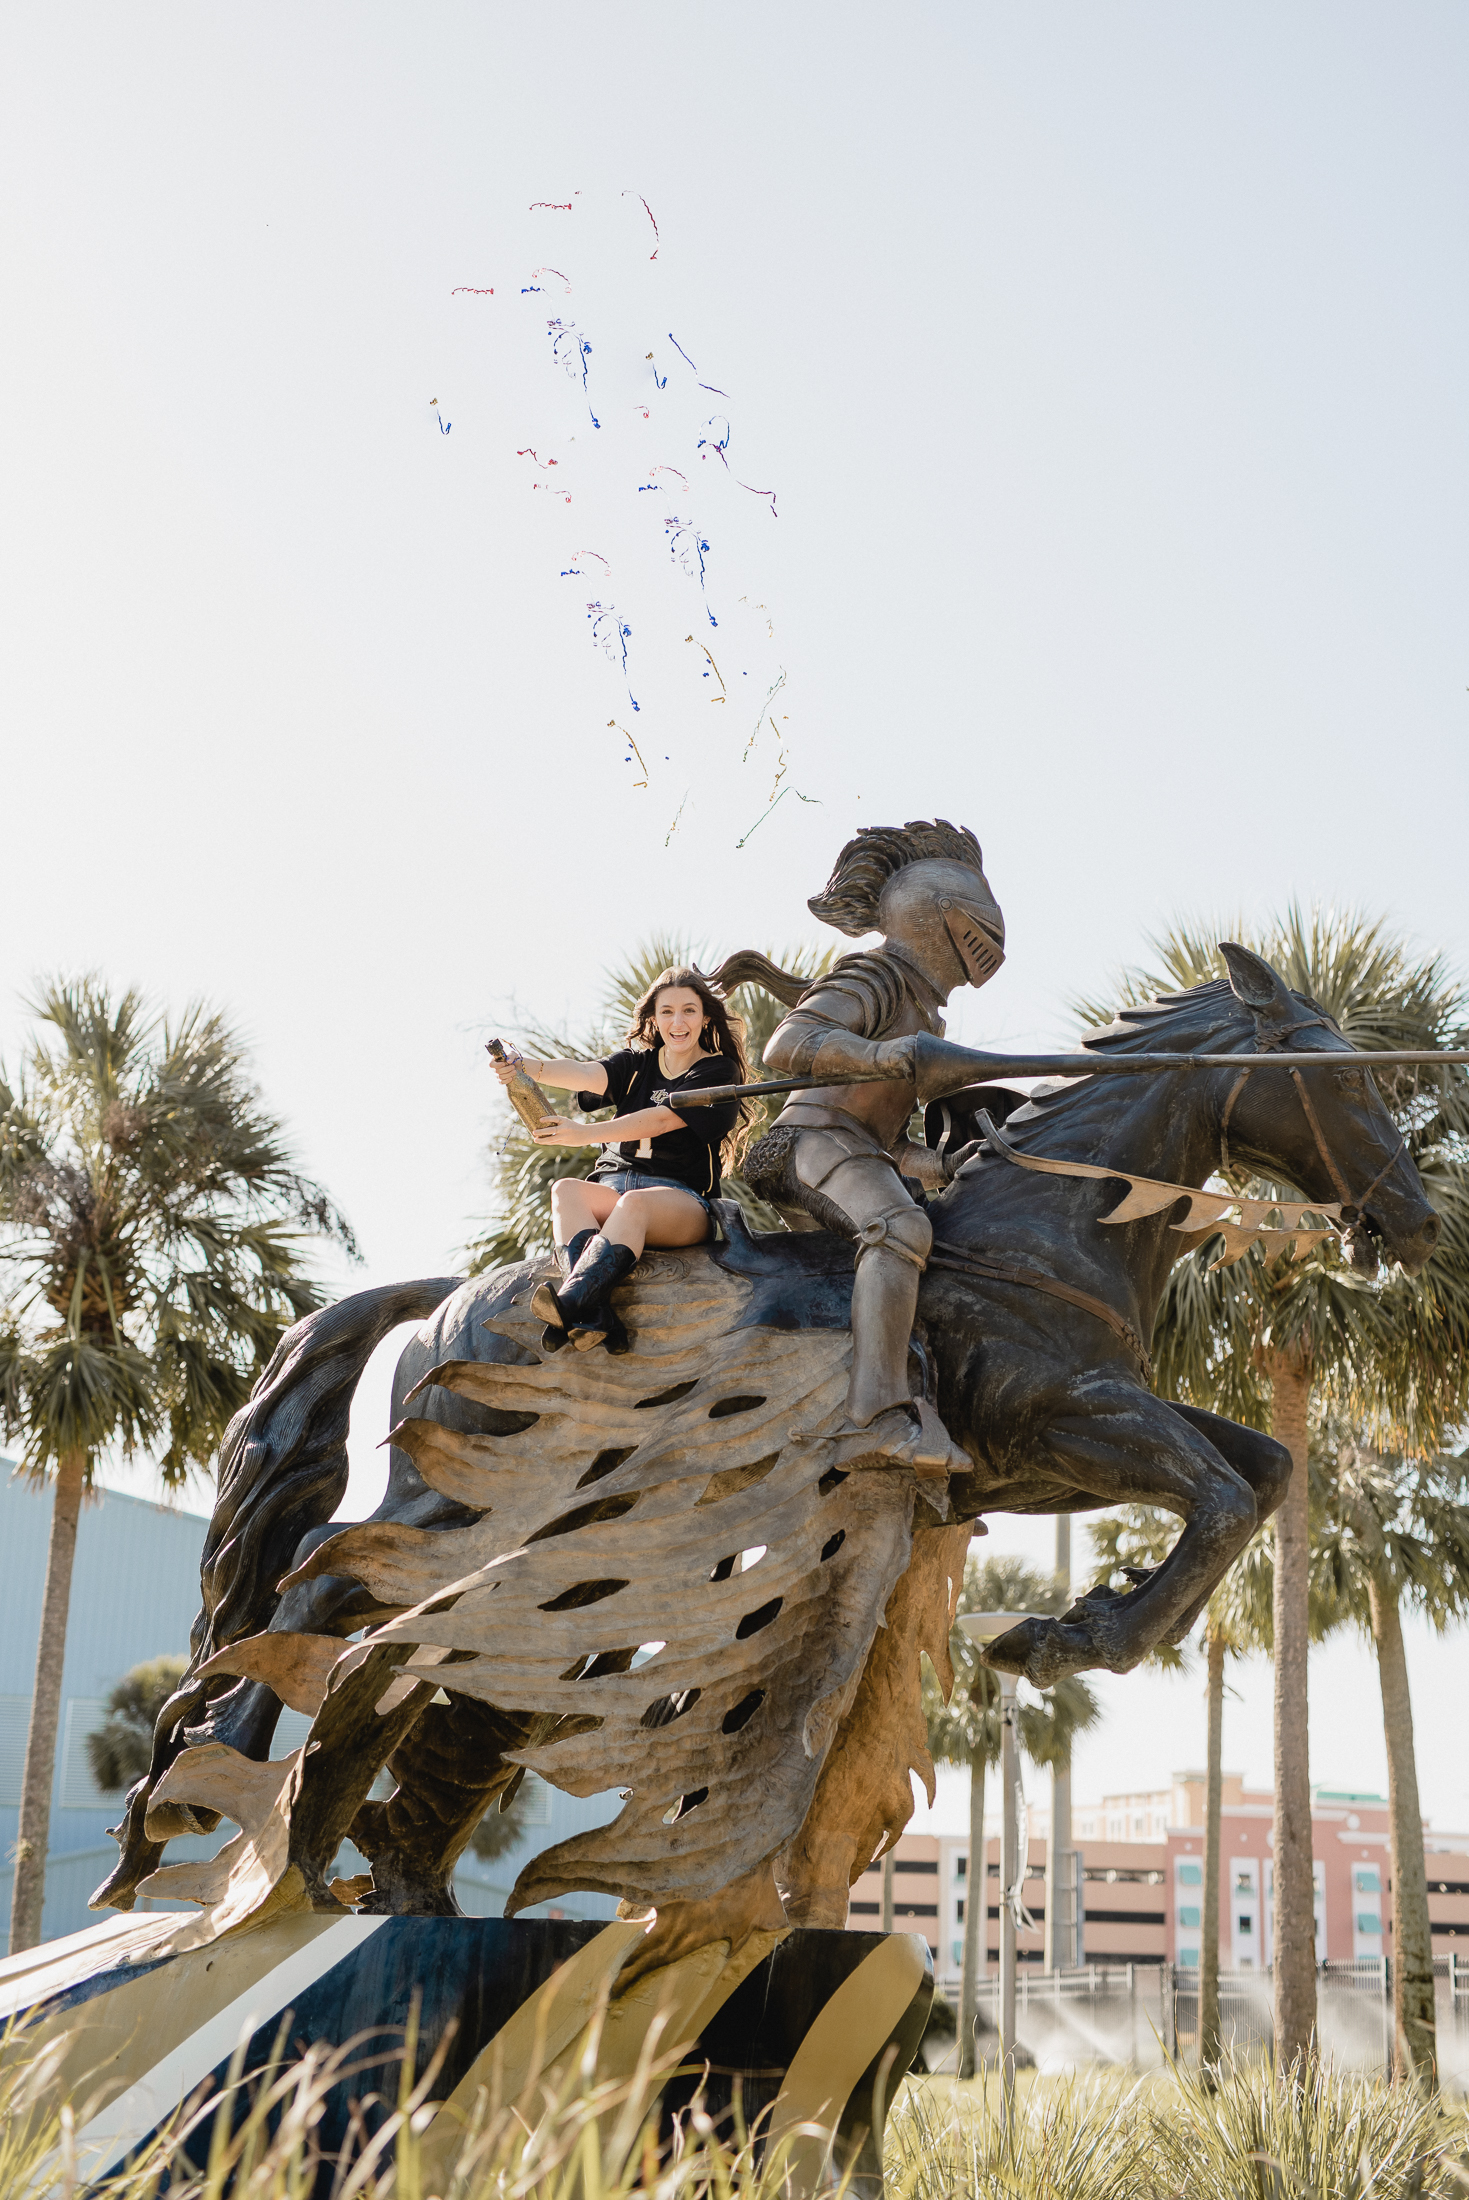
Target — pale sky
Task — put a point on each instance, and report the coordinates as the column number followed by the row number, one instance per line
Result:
column 1107, row 365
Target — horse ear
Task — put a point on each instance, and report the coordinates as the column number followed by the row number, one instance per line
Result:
column 1253, row 981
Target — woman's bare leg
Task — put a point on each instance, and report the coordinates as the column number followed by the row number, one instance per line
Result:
column 657, row 1217
column 578, row 1204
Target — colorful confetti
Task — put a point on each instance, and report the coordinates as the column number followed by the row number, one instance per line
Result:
column 636, row 751
column 688, row 549
column 692, row 512
column 723, row 695
column 647, row 209
column 678, row 347
column 611, row 633
column 571, row 351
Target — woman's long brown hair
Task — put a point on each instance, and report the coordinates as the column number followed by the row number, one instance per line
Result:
column 724, row 1030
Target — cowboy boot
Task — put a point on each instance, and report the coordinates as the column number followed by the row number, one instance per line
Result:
column 581, row 1302
column 543, row 1298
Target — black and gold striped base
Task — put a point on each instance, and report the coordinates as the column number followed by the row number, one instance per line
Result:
column 808, row 2028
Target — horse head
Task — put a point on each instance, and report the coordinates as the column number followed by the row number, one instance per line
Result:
column 1328, row 1130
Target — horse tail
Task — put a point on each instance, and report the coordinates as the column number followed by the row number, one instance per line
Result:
column 283, row 1462
column 282, row 1471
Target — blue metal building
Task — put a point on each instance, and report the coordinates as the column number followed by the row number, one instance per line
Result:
column 135, row 1591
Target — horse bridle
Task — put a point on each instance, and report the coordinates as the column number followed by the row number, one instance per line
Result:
column 1353, row 1211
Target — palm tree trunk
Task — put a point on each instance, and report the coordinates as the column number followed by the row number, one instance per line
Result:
column 29, row 1892
column 976, row 1898
column 1295, row 1890
column 1416, row 2037
column 1213, row 1826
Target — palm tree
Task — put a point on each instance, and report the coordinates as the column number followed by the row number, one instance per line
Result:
column 966, row 1731
column 1261, row 1338
column 121, row 1749
column 151, row 1227
column 1398, row 1532
column 1238, row 1622
column 523, row 1172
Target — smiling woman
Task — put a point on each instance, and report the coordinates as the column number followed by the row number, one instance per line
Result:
column 655, row 1188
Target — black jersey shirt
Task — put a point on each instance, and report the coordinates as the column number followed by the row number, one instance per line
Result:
column 689, row 1156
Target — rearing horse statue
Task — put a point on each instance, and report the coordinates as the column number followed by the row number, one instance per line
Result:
column 647, row 1573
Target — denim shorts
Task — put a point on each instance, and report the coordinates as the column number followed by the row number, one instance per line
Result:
column 638, row 1180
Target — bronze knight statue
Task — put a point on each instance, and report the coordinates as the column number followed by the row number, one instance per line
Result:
column 840, row 1152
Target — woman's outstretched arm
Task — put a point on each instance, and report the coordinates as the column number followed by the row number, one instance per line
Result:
column 565, row 1076
column 556, row 1130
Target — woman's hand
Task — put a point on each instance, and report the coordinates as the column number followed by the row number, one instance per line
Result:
column 559, row 1130
column 506, row 1070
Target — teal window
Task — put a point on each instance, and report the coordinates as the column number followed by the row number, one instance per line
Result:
column 1366, row 1881
column 1191, row 1875
column 1188, row 1918
column 1368, row 1922
column 1246, row 1924
column 1188, row 1957
column 957, row 1947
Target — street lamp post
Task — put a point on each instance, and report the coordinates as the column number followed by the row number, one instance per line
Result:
column 983, row 1627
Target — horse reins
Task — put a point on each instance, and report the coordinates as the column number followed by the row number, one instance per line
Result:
column 1353, row 1210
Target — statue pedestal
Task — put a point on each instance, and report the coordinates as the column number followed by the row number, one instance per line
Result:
column 819, row 2027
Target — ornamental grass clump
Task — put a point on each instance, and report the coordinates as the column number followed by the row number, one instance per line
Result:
column 1311, row 2136
column 1246, row 2136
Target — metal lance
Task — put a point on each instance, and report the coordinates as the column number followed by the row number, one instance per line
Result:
column 524, row 1094
column 939, row 1068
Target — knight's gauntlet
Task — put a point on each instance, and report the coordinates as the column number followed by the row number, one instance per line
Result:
column 843, row 1054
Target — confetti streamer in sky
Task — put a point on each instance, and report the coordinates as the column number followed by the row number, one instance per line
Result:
column 688, row 549
column 716, row 443
column 770, row 698
column 611, row 633
column 678, row 347
column 723, row 695
column 570, row 350
column 654, row 483
column 691, row 514
column 636, row 751
column 647, row 209
column 760, row 820
column 444, row 425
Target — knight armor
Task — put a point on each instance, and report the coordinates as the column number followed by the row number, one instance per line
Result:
column 837, row 1155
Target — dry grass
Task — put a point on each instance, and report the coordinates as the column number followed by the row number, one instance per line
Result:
column 1166, row 2137
column 1102, row 2137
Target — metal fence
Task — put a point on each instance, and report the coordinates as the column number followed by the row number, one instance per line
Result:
column 1353, row 2003
column 1096, row 2013
column 1140, row 2014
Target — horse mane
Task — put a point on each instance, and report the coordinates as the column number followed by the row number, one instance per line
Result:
column 1208, row 1018
column 1177, row 1022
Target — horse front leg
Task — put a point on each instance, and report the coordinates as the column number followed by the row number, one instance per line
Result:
column 1123, row 1446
